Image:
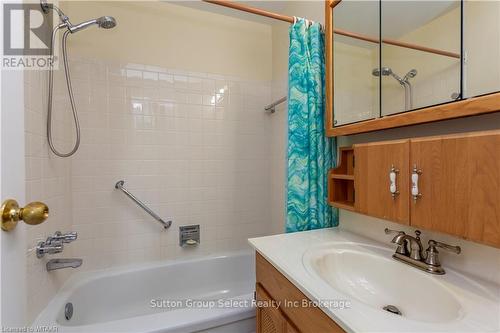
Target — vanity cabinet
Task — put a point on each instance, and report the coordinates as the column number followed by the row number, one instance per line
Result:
column 269, row 318
column 373, row 163
column 460, row 186
column 449, row 184
column 290, row 310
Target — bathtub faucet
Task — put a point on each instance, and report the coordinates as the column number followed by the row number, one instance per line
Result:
column 54, row 244
column 54, row 264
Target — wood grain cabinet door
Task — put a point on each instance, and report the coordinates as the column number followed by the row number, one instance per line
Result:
column 460, row 185
column 373, row 162
column 269, row 318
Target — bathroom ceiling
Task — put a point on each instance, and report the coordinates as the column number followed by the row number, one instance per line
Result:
column 272, row 6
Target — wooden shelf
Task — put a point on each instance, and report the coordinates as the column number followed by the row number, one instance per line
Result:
column 346, row 162
column 339, row 176
column 343, row 205
column 341, row 181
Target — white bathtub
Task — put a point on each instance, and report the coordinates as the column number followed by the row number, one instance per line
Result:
column 129, row 299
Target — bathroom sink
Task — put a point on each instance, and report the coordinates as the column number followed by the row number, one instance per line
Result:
column 369, row 275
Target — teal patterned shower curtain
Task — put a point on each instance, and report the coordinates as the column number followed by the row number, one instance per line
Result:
column 310, row 152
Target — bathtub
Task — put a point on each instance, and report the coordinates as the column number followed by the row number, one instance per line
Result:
column 210, row 294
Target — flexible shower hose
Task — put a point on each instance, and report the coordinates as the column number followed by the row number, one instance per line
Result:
column 70, row 92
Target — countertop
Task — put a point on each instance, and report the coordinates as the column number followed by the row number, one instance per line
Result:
column 479, row 300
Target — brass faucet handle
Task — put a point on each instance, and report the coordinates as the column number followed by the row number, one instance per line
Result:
column 33, row 213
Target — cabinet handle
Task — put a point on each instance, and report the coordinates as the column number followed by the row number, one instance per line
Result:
column 414, row 183
column 393, row 187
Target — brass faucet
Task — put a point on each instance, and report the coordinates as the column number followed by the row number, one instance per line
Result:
column 410, row 251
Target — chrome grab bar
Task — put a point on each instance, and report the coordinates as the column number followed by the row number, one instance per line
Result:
column 271, row 108
column 119, row 185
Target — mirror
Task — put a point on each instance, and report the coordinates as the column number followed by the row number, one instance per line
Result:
column 357, row 95
column 481, row 47
column 391, row 57
column 420, row 63
column 393, row 63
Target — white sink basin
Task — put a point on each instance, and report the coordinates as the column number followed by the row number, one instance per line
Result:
column 369, row 275
column 335, row 268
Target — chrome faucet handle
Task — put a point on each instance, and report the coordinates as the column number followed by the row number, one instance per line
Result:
column 64, row 238
column 432, row 257
column 399, row 239
column 44, row 248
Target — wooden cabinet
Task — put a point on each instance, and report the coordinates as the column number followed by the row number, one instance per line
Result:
column 288, row 312
column 460, row 185
column 269, row 318
column 458, row 179
column 373, row 163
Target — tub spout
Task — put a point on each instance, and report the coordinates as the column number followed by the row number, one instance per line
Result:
column 54, row 264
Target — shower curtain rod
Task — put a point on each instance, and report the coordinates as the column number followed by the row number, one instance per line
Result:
column 333, row 3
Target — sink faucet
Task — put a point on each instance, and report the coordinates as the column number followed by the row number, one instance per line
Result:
column 415, row 245
column 400, row 240
column 414, row 256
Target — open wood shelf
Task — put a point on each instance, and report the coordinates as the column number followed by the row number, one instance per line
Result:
column 346, row 177
column 341, row 181
column 343, row 205
column 346, row 162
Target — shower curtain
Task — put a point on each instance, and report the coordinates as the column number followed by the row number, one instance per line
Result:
column 310, row 152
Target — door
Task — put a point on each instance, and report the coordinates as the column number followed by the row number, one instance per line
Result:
column 12, row 185
column 459, row 185
column 373, row 163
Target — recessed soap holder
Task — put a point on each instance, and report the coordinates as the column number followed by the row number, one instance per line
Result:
column 189, row 235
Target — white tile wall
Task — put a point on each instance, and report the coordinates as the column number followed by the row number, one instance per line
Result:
column 193, row 146
column 48, row 179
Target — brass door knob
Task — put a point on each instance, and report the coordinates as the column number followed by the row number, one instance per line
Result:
column 33, row 213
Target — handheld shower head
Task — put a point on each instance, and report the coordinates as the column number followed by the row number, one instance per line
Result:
column 410, row 75
column 105, row 22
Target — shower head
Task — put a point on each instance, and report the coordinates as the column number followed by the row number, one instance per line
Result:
column 410, row 75
column 105, row 22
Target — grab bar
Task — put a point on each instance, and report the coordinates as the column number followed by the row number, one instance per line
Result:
column 271, row 108
column 119, row 185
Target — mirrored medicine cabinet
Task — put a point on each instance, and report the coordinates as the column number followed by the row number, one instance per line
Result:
column 396, row 63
